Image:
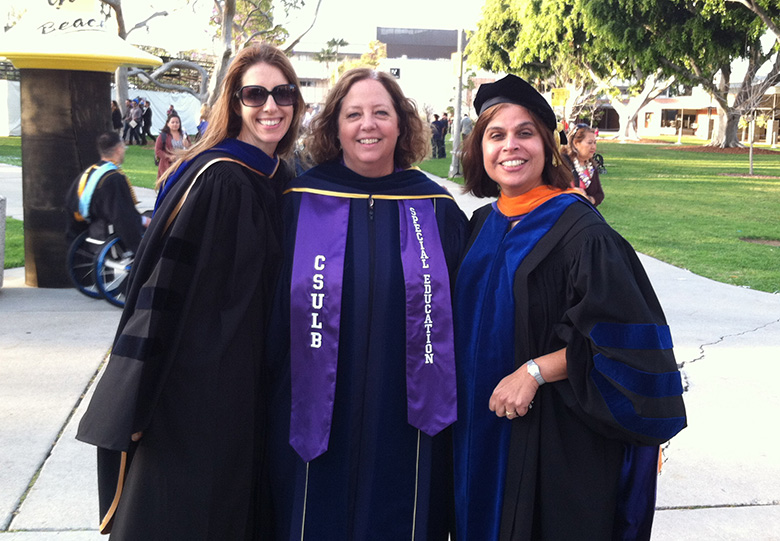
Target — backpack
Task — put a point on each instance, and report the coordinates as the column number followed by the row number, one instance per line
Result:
column 161, row 136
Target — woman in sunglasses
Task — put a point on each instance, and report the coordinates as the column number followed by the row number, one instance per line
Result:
column 578, row 157
column 178, row 416
column 359, row 444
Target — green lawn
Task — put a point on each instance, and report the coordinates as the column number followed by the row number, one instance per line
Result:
column 685, row 208
column 14, row 243
column 139, row 160
column 679, row 206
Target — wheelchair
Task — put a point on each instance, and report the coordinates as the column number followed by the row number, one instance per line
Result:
column 100, row 268
column 599, row 160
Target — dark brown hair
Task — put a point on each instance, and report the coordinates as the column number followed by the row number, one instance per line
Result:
column 167, row 128
column 322, row 145
column 107, row 142
column 477, row 180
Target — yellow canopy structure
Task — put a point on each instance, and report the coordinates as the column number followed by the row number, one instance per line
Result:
column 71, row 35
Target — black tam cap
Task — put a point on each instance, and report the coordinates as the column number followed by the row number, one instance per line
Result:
column 513, row 89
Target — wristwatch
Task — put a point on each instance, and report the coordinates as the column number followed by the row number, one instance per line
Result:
column 533, row 369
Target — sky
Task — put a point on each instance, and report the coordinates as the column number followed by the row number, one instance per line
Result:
column 356, row 20
column 352, row 20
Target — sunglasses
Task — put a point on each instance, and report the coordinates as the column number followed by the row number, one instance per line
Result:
column 256, row 96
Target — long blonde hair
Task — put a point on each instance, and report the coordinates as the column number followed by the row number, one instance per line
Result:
column 225, row 117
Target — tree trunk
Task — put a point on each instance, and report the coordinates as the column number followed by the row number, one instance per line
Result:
column 63, row 112
column 628, row 111
column 628, row 123
column 221, row 67
column 120, row 84
column 727, row 135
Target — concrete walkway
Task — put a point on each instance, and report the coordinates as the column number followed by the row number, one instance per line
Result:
column 720, row 480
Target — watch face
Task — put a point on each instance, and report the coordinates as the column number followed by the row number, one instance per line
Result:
column 534, row 370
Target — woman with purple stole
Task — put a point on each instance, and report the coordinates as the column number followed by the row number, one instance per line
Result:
column 359, row 440
column 567, row 382
column 179, row 414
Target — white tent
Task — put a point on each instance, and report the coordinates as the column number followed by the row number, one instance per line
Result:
column 10, row 108
column 186, row 105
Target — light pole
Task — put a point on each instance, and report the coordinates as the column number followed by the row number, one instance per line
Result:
column 455, row 164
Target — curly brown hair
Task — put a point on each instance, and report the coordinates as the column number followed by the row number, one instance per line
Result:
column 322, row 144
column 477, row 180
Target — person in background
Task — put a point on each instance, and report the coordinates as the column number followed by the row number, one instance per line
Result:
column 310, row 112
column 359, row 446
column 203, row 121
column 171, row 139
column 444, row 129
column 116, row 116
column 179, row 414
column 567, row 382
column 136, row 119
column 128, row 116
column 466, row 125
column 578, row 157
column 103, row 198
column 437, row 138
column 147, row 122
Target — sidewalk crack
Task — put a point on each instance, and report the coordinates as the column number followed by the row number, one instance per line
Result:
column 702, row 354
column 34, row 479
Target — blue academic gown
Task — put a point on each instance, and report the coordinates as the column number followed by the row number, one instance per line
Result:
column 366, row 485
column 582, row 463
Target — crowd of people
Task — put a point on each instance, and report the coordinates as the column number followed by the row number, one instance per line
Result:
column 341, row 353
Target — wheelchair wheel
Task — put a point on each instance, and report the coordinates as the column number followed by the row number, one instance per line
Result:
column 81, row 264
column 112, row 269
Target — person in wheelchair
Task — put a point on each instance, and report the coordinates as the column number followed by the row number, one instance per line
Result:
column 102, row 199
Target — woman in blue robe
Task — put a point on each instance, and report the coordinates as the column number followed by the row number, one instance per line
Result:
column 567, row 382
column 359, row 440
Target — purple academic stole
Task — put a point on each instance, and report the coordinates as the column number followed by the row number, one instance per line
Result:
column 430, row 351
column 315, row 313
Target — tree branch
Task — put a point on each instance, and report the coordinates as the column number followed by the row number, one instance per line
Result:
column 753, row 6
column 145, row 22
column 288, row 48
column 153, row 77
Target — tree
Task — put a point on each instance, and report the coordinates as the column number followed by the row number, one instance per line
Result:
column 694, row 42
column 558, row 45
column 546, row 48
column 331, row 52
column 768, row 12
column 242, row 21
column 377, row 51
column 239, row 22
column 107, row 6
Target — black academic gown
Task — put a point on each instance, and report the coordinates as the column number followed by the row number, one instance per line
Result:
column 363, row 487
column 582, row 463
column 187, row 363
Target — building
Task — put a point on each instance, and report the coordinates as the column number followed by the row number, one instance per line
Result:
column 421, row 60
column 697, row 113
